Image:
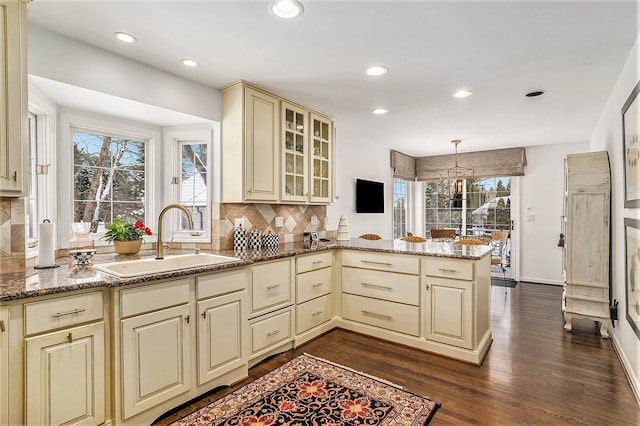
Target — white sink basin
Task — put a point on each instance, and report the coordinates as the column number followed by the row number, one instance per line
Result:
column 134, row 268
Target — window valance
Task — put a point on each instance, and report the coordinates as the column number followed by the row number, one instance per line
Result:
column 404, row 166
column 497, row 162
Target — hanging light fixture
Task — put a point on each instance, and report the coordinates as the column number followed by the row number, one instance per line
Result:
column 452, row 180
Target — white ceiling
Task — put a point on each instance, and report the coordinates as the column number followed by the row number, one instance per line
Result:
column 500, row 50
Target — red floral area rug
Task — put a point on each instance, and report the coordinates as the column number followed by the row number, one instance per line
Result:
column 311, row 391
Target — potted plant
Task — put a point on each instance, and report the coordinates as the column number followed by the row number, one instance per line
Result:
column 126, row 237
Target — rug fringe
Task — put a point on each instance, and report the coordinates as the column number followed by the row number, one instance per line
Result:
column 353, row 370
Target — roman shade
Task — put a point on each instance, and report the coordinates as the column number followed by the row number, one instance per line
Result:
column 404, row 166
column 497, row 162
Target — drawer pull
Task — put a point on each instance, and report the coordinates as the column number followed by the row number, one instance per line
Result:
column 373, row 314
column 318, row 285
column 453, row 271
column 384, row 287
column 271, row 287
column 318, row 262
column 376, row 263
column 273, row 333
column 63, row 314
column 1, row 326
column 316, row 313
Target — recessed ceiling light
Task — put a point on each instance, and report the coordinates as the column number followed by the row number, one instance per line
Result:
column 124, row 37
column 462, row 94
column 535, row 93
column 377, row 70
column 189, row 62
column 379, row 111
column 286, row 8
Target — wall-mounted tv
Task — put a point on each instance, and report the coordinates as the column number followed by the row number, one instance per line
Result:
column 369, row 196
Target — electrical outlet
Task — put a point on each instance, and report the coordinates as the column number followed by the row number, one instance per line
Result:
column 238, row 221
column 314, row 220
column 278, row 221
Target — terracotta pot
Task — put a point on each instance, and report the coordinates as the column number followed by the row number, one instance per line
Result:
column 128, row 247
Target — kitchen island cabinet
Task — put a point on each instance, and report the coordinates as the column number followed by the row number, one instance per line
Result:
column 4, row 365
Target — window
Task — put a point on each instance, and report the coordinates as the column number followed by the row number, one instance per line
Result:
column 193, row 183
column 31, row 208
column 486, row 207
column 108, row 178
column 399, row 208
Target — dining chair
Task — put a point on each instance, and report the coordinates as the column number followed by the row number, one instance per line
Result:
column 499, row 254
column 477, row 240
column 443, row 233
column 413, row 239
column 370, row 236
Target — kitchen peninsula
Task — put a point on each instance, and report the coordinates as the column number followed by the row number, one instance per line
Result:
column 206, row 326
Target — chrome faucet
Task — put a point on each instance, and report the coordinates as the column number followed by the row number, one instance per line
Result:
column 159, row 246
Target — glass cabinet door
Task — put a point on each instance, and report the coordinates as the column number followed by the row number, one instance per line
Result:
column 294, row 153
column 321, row 139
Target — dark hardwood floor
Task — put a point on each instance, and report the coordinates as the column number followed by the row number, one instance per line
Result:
column 534, row 373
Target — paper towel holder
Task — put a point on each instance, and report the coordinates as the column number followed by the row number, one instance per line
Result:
column 55, row 265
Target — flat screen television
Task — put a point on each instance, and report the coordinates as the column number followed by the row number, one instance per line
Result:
column 369, row 196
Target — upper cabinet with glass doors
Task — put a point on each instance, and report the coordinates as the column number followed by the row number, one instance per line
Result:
column 295, row 170
column 13, row 100
column 321, row 149
column 274, row 150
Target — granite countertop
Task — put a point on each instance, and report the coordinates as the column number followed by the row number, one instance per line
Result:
column 69, row 277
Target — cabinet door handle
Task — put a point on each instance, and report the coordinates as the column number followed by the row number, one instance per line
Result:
column 376, row 263
column 15, row 176
column 187, row 318
column 273, row 333
column 373, row 314
column 69, row 338
column 2, row 326
column 453, row 271
column 271, row 287
column 318, row 285
column 204, row 315
column 427, row 286
column 384, row 287
column 62, row 314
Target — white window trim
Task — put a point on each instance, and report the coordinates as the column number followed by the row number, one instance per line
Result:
column 112, row 126
column 46, row 113
column 208, row 134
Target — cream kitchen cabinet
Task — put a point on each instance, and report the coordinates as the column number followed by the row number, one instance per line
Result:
column 250, row 145
column 65, row 360
column 321, row 153
column 13, row 98
column 155, row 346
column 4, row 365
column 295, row 157
column 271, row 318
column 314, row 295
column 457, row 306
column 222, row 323
column 586, row 250
column 274, row 150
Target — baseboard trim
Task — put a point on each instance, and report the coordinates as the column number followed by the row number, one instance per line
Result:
column 540, row 280
column 634, row 382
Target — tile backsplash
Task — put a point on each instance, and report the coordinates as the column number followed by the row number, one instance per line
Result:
column 296, row 219
column 12, row 239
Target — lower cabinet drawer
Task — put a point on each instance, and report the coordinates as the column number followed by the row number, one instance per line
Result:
column 449, row 268
column 271, row 331
column 313, row 284
column 401, row 288
column 587, row 307
column 62, row 312
column 314, row 312
column 379, row 313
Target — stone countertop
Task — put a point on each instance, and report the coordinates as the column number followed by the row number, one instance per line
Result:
column 68, row 277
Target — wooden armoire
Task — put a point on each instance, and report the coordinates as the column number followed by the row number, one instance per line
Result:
column 586, row 222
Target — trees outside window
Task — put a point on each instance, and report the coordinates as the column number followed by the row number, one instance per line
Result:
column 109, row 178
column 399, row 208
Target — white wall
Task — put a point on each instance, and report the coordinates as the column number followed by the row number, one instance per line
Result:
column 61, row 59
column 371, row 163
column 608, row 136
column 540, row 206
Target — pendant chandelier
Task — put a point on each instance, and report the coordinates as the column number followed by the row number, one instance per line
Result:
column 452, row 180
